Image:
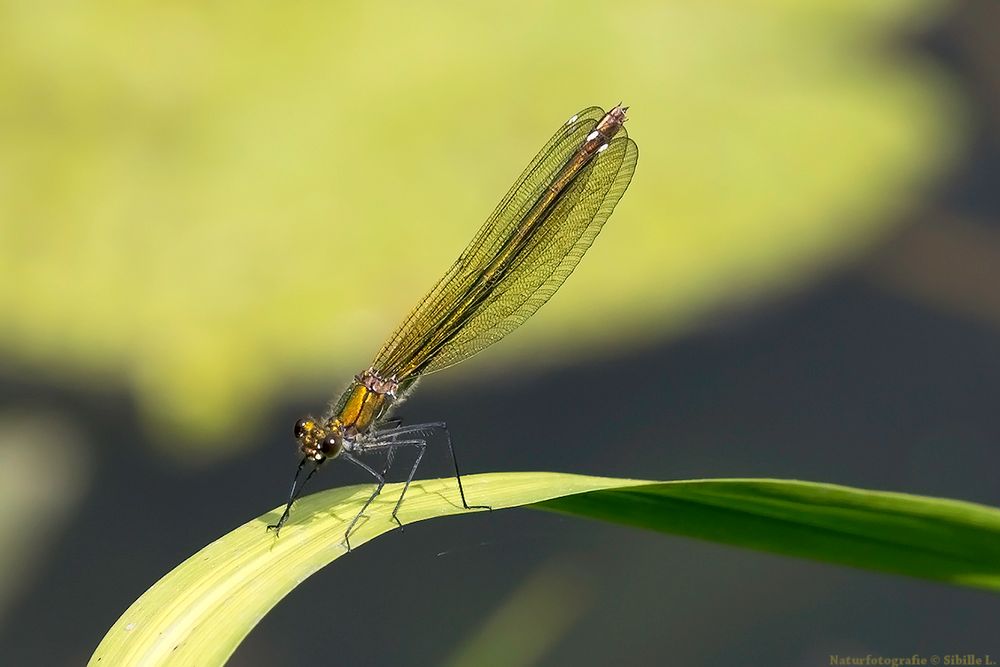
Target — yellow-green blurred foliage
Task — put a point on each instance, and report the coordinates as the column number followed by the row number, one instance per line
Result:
column 207, row 202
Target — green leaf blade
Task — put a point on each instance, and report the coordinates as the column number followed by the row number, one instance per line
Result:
column 201, row 611
column 931, row 538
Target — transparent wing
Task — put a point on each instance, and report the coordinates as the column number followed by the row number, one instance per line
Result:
column 411, row 336
column 527, row 188
column 561, row 244
column 406, row 341
column 466, row 312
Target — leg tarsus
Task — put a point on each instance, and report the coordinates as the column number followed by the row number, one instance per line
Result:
column 293, row 495
column 409, row 478
column 371, row 498
column 458, row 475
column 385, row 471
column 386, row 439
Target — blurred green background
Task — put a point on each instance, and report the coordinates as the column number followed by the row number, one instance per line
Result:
column 207, row 204
column 211, row 215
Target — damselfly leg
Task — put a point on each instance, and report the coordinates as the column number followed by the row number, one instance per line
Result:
column 380, row 439
column 388, row 440
column 294, row 494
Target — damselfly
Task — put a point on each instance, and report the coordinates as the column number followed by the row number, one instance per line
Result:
column 515, row 263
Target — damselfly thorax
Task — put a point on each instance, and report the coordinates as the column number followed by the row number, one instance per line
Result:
column 363, row 405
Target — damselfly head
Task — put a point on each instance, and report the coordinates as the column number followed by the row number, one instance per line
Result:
column 315, row 442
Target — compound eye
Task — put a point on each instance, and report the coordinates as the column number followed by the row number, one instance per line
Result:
column 330, row 446
column 300, row 428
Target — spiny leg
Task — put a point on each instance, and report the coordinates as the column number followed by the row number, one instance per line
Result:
column 293, row 495
column 378, row 490
column 390, row 455
column 388, row 460
column 420, row 454
column 382, row 433
column 433, row 426
column 458, row 475
column 391, row 446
